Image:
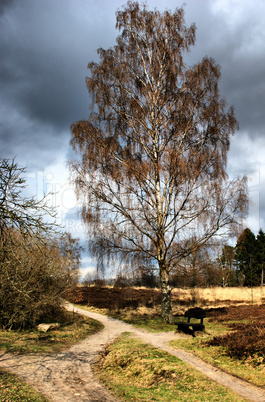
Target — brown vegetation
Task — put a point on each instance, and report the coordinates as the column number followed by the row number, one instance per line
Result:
column 247, row 339
column 246, row 342
column 238, row 313
column 114, row 298
column 37, row 263
column 132, row 297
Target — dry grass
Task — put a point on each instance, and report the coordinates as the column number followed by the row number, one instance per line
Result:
column 130, row 304
column 119, row 299
column 217, row 296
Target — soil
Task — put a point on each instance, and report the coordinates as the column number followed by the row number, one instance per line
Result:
column 68, row 376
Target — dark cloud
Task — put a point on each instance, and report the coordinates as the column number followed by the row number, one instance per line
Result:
column 4, row 4
column 38, row 69
column 45, row 47
column 232, row 32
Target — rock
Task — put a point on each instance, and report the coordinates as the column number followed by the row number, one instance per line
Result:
column 47, row 327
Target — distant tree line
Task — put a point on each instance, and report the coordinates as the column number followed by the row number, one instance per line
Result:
column 210, row 265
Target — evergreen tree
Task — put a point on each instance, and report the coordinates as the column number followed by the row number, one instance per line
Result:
column 260, row 254
column 245, row 257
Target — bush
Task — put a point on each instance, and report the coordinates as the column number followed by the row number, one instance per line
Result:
column 35, row 267
column 33, row 277
column 247, row 341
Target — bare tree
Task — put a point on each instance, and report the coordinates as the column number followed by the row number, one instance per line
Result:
column 152, row 154
column 16, row 211
column 226, row 261
column 36, row 264
column 70, row 252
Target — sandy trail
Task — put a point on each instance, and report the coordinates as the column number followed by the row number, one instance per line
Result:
column 67, row 376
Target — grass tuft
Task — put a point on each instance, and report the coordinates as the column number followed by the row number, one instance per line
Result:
column 14, row 389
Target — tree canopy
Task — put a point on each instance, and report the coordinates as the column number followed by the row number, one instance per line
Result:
column 152, row 154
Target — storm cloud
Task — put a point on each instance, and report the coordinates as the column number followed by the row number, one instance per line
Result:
column 45, row 47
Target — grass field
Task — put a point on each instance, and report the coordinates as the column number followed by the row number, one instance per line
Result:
column 139, row 372
column 72, row 330
column 218, row 296
column 236, row 313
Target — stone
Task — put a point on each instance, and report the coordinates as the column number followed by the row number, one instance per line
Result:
column 47, row 327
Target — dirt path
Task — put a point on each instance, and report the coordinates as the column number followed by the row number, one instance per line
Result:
column 67, row 376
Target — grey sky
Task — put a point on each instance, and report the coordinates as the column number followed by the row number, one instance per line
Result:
column 45, row 46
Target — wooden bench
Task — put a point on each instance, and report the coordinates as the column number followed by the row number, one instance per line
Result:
column 197, row 313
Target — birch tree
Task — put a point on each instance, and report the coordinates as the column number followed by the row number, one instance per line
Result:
column 151, row 156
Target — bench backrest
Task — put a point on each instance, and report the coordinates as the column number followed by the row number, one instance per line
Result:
column 195, row 312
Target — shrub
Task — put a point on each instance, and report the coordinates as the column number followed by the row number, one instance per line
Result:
column 36, row 264
column 247, row 341
column 33, row 277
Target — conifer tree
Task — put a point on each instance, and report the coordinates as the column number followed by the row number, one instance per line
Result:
column 245, row 257
column 260, row 256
